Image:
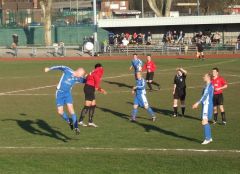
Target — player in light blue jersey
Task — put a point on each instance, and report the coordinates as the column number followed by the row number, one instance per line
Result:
column 207, row 108
column 63, row 92
column 136, row 64
column 140, row 98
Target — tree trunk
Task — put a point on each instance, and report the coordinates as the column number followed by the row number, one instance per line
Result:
column 167, row 9
column 47, row 20
column 153, row 6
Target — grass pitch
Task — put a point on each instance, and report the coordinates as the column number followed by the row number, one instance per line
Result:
column 35, row 140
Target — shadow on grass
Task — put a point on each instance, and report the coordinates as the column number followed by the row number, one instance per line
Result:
column 44, row 129
column 118, row 84
column 149, row 127
column 167, row 112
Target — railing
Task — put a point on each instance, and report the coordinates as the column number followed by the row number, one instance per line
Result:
column 108, row 50
column 165, row 49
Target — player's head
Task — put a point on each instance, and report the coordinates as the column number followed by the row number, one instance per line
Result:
column 215, row 72
column 207, row 77
column 80, row 72
column 139, row 75
column 98, row 65
column 179, row 72
column 149, row 57
column 135, row 56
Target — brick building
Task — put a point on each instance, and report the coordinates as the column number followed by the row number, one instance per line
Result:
column 19, row 12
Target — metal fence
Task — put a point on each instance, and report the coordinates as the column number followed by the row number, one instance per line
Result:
column 165, row 49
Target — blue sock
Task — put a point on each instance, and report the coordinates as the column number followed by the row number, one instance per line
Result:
column 134, row 113
column 207, row 132
column 150, row 111
column 65, row 117
column 74, row 120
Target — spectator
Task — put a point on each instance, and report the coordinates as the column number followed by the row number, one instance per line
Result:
column 149, row 38
column 175, row 36
column 125, row 42
column 181, row 37
column 238, row 42
column 217, row 37
column 15, row 45
column 62, row 48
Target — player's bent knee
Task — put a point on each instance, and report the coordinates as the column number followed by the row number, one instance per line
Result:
column 204, row 121
column 135, row 106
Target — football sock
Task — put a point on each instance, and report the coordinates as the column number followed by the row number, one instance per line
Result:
column 175, row 110
column 74, row 120
column 223, row 116
column 183, row 110
column 83, row 113
column 65, row 117
column 149, row 85
column 134, row 112
column 91, row 113
column 207, row 132
column 215, row 116
column 150, row 111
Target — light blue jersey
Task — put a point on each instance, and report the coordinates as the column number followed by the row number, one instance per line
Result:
column 137, row 65
column 140, row 97
column 207, row 102
column 64, row 88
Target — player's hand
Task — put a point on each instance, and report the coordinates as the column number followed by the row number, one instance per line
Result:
column 46, row 69
column 133, row 92
column 195, row 106
column 217, row 89
column 102, row 91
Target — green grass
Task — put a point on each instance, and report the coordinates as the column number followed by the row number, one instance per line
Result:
column 30, row 121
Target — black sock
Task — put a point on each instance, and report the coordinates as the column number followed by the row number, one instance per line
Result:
column 149, row 85
column 183, row 110
column 175, row 110
column 215, row 117
column 83, row 113
column 91, row 113
column 223, row 116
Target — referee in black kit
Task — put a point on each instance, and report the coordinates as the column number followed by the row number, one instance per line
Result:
column 199, row 47
column 179, row 91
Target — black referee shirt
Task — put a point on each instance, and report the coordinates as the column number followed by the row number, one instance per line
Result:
column 180, row 81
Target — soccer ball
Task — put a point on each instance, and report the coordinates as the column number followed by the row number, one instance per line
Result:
column 88, row 46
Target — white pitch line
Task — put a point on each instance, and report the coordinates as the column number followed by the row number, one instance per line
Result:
column 24, row 90
column 119, row 149
column 123, row 75
column 111, row 92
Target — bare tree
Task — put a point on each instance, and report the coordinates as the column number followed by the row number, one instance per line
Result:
column 160, row 7
column 155, row 8
column 46, row 6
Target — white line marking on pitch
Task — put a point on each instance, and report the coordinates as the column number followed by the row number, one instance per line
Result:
column 111, row 92
column 120, row 149
column 49, row 86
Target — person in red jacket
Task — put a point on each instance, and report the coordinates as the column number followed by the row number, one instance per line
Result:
column 150, row 67
column 92, row 83
column 219, row 84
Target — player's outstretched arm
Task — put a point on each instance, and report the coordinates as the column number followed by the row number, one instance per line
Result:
column 183, row 70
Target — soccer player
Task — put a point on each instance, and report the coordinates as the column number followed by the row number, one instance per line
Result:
column 207, row 108
column 136, row 65
column 219, row 84
column 92, row 83
column 150, row 66
column 140, row 98
column 179, row 91
column 63, row 93
column 199, row 47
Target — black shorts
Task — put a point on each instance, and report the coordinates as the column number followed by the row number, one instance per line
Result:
column 218, row 99
column 200, row 50
column 180, row 94
column 89, row 92
column 149, row 76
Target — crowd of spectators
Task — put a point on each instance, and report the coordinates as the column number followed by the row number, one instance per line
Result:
column 238, row 42
column 170, row 37
column 124, row 39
